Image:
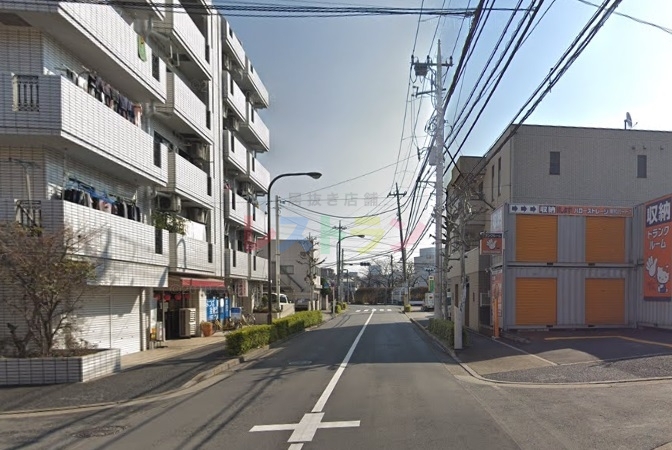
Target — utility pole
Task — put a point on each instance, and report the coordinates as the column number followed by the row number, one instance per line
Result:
column 277, row 251
column 401, row 239
column 340, row 228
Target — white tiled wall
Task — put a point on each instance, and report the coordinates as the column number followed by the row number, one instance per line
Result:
column 188, row 180
column 21, row 50
column 188, row 253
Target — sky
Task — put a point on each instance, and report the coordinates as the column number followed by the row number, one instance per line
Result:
column 340, row 103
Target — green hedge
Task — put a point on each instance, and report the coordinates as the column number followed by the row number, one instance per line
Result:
column 445, row 329
column 343, row 305
column 338, row 308
column 255, row 336
column 407, row 308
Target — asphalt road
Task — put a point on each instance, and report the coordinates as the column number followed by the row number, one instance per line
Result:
column 396, row 392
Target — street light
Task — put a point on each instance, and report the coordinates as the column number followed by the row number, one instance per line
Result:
column 339, row 263
column 313, row 175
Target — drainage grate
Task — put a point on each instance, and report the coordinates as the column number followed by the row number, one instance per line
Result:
column 303, row 362
column 100, row 431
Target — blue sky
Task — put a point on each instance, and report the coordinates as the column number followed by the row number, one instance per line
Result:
column 339, row 91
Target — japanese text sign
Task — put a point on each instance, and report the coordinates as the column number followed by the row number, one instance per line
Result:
column 657, row 250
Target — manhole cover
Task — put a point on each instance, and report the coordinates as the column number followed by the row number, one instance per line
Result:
column 304, row 362
column 100, row 431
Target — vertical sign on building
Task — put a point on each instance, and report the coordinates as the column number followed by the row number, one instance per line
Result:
column 430, row 283
column 657, row 250
column 496, row 296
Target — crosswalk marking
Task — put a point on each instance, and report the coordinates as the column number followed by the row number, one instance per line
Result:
column 374, row 309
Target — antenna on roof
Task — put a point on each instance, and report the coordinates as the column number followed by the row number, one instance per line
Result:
column 627, row 123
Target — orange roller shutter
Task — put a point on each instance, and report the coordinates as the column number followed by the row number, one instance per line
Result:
column 605, row 240
column 536, row 238
column 536, row 301
column 605, row 301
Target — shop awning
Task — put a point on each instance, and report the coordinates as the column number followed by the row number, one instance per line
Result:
column 195, row 283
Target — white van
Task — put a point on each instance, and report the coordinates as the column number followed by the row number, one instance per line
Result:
column 283, row 300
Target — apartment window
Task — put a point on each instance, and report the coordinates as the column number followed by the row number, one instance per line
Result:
column 499, row 176
column 492, row 183
column 156, row 68
column 26, row 93
column 210, row 252
column 641, row 166
column 554, row 168
column 157, row 152
column 289, row 269
column 158, row 241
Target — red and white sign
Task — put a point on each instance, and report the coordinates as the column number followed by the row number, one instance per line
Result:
column 492, row 244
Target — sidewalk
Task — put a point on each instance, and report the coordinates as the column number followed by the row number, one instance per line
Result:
column 146, row 373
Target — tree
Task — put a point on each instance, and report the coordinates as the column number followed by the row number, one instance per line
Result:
column 48, row 275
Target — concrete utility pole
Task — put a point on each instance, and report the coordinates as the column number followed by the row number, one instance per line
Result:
column 459, row 305
column 277, row 248
column 340, row 228
column 401, row 239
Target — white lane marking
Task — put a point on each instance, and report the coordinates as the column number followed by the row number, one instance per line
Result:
column 359, row 310
column 305, row 430
column 366, row 310
column 296, row 447
column 389, row 310
column 527, row 353
column 319, row 406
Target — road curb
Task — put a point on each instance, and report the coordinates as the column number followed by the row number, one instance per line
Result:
column 252, row 356
column 480, row 377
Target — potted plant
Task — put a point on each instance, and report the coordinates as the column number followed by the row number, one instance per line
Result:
column 207, row 328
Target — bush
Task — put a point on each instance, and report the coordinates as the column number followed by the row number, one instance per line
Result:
column 255, row 336
column 445, row 330
column 343, row 305
column 338, row 308
column 407, row 308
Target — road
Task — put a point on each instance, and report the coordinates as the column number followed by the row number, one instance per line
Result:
column 364, row 380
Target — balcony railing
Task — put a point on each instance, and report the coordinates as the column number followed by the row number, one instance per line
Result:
column 234, row 96
column 190, row 255
column 188, row 180
column 178, row 24
column 257, row 173
column 235, row 152
column 237, row 264
column 258, row 268
column 258, row 220
column 259, row 91
column 53, row 109
column 236, row 208
column 187, row 107
column 255, row 131
column 231, row 45
column 156, row 9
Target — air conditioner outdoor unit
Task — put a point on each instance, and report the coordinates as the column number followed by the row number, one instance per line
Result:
column 199, row 215
column 232, row 123
column 187, row 321
column 171, row 203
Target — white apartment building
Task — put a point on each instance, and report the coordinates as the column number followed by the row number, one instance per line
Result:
column 120, row 116
column 424, row 266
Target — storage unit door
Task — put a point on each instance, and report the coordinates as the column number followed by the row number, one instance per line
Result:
column 536, row 301
column 605, row 301
column 536, row 238
column 93, row 318
column 125, row 307
column 605, row 240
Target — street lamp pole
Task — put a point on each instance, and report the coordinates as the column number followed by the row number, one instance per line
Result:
column 315, row 176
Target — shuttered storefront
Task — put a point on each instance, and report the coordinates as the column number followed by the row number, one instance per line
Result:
column 110, row 318
column 536, row 301
column 536, row 238
column 605, row 301
column 605, row 240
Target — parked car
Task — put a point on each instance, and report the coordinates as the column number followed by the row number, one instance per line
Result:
column 302, row 304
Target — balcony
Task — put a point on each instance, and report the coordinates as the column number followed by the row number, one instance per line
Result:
column 186, row 113
column 258, row 268
column 130, row 253
column 257, row 173
column 255, row 132
column 232, row 47
column 182, row 31
column 235, row 153
column 258, row 220
column 190, row 255
column 49, row 110
column 235, row 208
column 252, row 82
column 188, row 181
column 154, row 9
column 236, row 264
column 234, row 96
column 100, row 37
